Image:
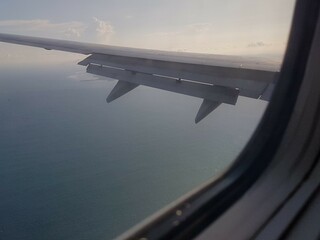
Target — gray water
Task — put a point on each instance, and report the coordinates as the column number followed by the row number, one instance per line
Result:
column 74, row 167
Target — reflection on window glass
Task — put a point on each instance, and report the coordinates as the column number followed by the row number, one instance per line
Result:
column 76, row 167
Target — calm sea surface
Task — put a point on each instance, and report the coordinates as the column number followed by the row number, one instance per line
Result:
column 74, row 167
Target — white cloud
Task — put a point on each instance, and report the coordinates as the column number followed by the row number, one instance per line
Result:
column 83, row 76
column 73, row 32
column 129, row 17
column 104, row 30
column 192, row 37
column 258, row 44
column 206, row 37
column 43, row 27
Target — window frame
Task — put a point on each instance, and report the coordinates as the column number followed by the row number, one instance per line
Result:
column 204, row 205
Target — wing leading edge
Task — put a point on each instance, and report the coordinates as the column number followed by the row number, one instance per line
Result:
column 214, row 78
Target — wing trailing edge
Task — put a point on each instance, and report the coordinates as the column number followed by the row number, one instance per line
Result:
column 214, row 84
column 127, row 80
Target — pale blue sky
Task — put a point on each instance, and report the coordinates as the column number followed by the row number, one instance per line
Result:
column 213, row 26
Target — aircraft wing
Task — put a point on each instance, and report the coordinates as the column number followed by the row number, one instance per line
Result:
column 214, row 78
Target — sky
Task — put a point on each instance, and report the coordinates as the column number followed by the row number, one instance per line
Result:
column 233, row 27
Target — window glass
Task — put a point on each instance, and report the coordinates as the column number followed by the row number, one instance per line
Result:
column 73, row 166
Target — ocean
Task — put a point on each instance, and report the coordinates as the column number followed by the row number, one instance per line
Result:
column 74, row 167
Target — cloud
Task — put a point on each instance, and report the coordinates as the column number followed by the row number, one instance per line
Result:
column 104, row 30
column 205, row 37
column 199, row 28
column 73, row 32
column 83, row 76
column 191, row 37
column 129, row 17
column 258, row 44
column 190, row 31
column 44, row 27
column 93, row 31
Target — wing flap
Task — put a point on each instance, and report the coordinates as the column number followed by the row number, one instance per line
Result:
column 251, row 83
column 120, row 89
column 213, row 93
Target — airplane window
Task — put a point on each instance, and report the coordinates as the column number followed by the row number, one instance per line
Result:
column 178, row 112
